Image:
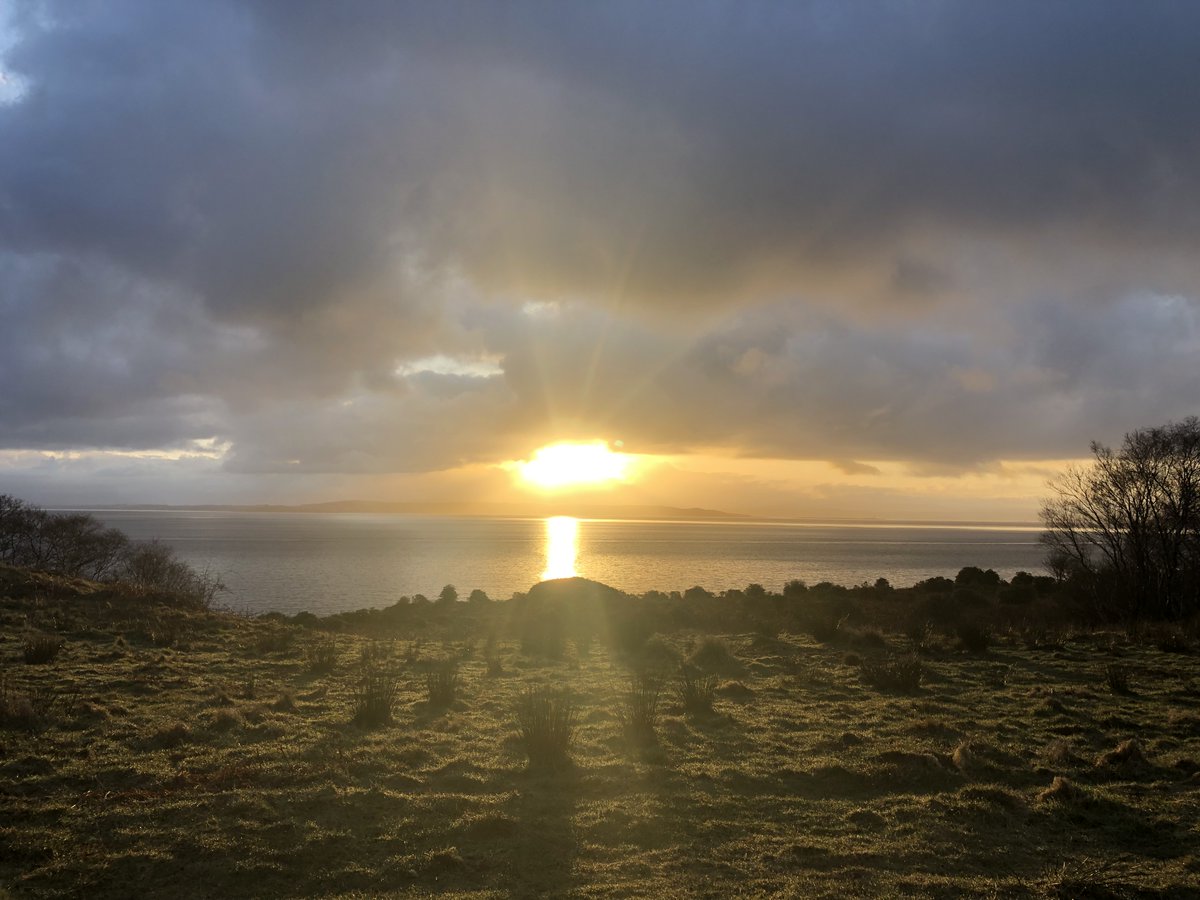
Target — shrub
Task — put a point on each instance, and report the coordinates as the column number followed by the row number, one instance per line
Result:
column 870, row 638
column 546, row 719
column 322, row 656
column 441, row 682
column 935, row 585
column 1117, row 677
column 973, row 576
column 41, row 649
column 766, row 628
column 639, row 711
column 695, row 691
column 375, row 699
column 151, row 566
column 825, row 629
column 903, row 674
column 968, row 598
column 919, row 630
column 973, row 637
column 795, row 589
column 1017, row 595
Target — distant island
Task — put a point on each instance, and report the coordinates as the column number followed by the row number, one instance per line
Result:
column 539, row 510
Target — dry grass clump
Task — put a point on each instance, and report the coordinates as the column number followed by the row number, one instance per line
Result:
column 1172, row 640
column 167, row 633
column 639, row 709
column 1036, row 637
column 546, row 718
column 375, row 652
column 1060, row 753
column 321, row 656
column 23, row 708
column 40, row 649
column 1086, row 878
column 869, row 638
column 1127, row 755
column 1062, row 790
column 695, row 691
column 902, row 674
column 226, row 719
column 713, row 655
column 274, row 640
column 657, row 654
column 442, row 682
column 1117, row 678
column 375, row 699
column 169, row 736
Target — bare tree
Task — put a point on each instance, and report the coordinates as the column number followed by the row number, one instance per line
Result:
column 1126, row 528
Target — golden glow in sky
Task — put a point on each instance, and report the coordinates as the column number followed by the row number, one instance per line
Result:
column 569, row 465
column 562, row 533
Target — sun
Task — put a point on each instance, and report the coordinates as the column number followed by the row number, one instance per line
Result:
column 568, row 464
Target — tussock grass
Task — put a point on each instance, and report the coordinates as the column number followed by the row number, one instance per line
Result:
column 547, row 721
column 321, row 656
column 41, row 649
column 713, row 655
column 24, row 707
column 639, row 706
column 442, row 682
column 1117, row 677
column 274, row 640
column 1172, row 640
column 375, row 699
column 695, row 691
column 903, row 674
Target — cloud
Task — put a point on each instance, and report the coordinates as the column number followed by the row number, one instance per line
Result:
column 946, row 234
column 853, row 467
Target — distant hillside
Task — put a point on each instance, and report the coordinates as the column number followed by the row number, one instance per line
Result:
column 580, row 510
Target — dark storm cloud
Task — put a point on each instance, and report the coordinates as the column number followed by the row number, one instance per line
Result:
column 935, row 232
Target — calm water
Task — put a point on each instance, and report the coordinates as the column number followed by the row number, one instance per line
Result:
column 330, row 562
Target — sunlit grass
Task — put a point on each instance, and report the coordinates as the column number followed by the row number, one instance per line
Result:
column 229, row 761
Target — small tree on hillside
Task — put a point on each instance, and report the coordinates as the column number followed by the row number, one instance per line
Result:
column 1126, row 528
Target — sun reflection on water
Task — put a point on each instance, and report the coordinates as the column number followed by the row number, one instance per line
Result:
column 562, row 544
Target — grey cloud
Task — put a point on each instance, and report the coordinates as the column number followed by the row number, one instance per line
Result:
column 939, row 232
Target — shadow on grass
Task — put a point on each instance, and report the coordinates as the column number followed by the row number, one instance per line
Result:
column 541, row 846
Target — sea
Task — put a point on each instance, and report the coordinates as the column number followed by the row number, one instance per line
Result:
column 333, row 562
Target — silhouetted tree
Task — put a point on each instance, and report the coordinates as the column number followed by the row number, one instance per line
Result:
column 1126, row 528
column 448, row 595
column 795, row 588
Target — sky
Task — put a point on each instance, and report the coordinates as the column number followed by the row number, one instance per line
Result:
column 898, row 259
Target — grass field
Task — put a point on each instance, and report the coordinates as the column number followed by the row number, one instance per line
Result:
column 166, row 752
